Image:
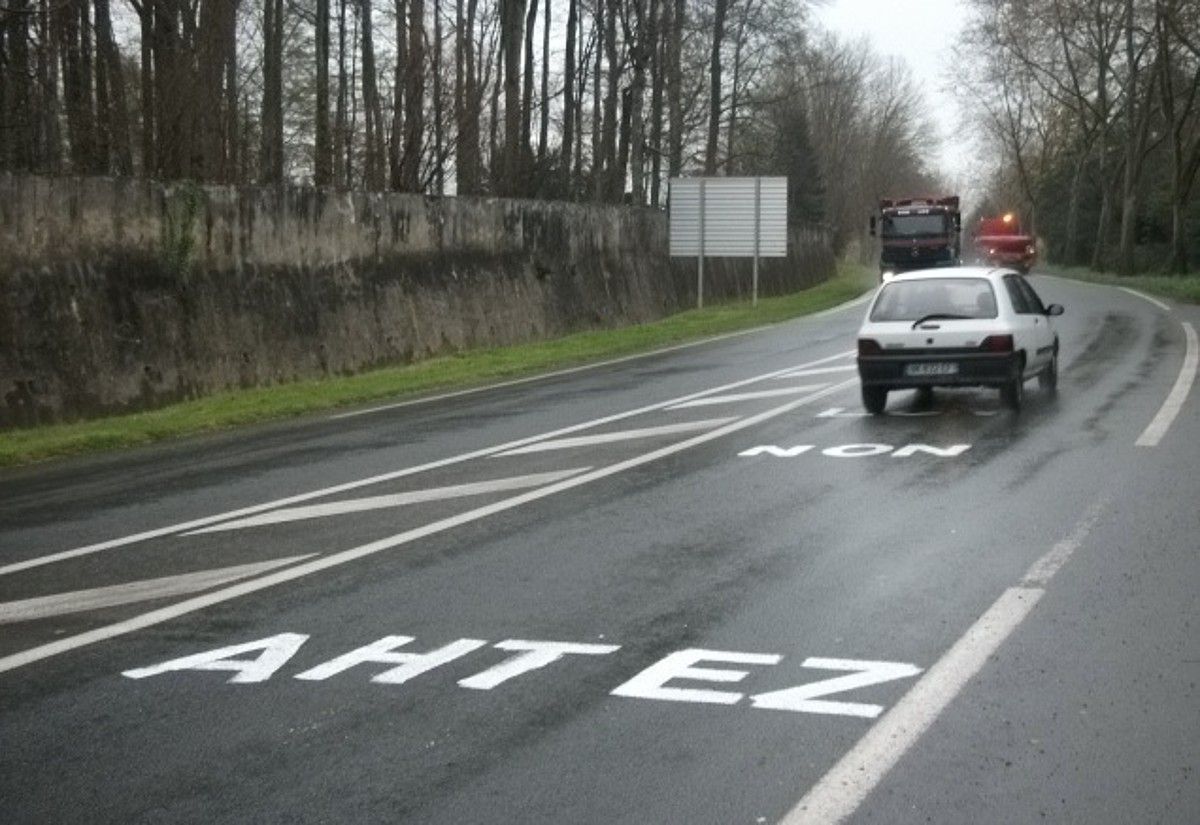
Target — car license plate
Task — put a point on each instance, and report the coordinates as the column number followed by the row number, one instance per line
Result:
column 932, row 368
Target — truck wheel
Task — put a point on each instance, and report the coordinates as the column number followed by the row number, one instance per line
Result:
column 874, row 399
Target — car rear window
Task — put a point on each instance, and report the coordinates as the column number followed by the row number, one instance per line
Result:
column 910, row 300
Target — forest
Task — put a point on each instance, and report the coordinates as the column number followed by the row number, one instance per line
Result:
column 1092, row 108
column 580, row 100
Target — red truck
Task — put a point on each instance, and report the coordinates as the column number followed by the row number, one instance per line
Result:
column 1001, row 242
column 918, row 233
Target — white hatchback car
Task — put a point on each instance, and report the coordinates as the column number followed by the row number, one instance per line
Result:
column 966, row 326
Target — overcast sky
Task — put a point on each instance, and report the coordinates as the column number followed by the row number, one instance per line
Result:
column 922, row 32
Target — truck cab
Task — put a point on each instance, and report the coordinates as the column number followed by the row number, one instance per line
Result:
column 918, row 233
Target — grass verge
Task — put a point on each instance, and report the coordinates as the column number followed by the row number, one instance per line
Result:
column 1182, row 288
column 463, row 370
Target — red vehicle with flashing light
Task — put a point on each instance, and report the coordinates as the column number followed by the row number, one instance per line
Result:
column 1002, row 242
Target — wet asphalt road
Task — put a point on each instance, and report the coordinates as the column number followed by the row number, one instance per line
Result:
column 697, row 522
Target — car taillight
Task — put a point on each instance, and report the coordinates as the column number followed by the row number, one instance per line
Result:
column 997, row 343
column 869, row 346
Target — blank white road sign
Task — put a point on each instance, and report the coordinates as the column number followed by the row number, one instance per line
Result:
column 730, row 213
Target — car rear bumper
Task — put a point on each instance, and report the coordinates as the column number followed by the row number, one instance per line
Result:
column 971, row 369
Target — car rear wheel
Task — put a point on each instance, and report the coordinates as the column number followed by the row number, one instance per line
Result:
column 1048, row 379
column 1013, row 392
column 874, row 399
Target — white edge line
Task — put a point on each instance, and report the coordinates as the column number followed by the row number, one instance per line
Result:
column 840, row 791
column 600, row 364
column 390, row 476
column 191, row 605
column 848, row 783
column 1162, row 421
column 1164, row 307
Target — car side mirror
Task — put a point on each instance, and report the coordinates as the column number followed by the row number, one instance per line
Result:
column 1055, row 309
column 872, row 226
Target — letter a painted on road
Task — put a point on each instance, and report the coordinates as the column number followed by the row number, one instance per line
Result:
column 274, row 653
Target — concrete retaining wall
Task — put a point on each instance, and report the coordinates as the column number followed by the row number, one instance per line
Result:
column 118, row 295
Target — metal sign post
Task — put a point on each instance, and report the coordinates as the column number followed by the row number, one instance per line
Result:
column 757, row 235
column 728, row 217
column 700, row 257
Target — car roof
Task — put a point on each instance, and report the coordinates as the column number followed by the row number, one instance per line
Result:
column 988, row 272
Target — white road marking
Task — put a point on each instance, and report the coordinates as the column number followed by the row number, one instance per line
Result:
column 600, row 364
column 358, row 505
column 807, row 698
column 317, row 565
column 745, row 396
column 389, row 476
column 1179, row 392
column 857, row 450
column 274, row 654
column 952, row 451
column 840, row 412
column 776, row 452
column 1042, row 570
column 531, row 656
column 613, row 437
column 1145, row 297
column 840, row 791
column 846, row 785
column 817, row 371
column 79, row 601
column 409, row 665
column 651, row 683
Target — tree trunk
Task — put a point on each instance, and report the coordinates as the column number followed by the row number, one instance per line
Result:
column 714, row 97
column 1070, row 253
column 322, row 160
column 514, row 12
column 17, row 133
column 45, row 153
column 526, row 168
column 467, row 165
column 439, row 174
column 233, row 169
column 339, row 116
column 568, row 137
column 149, row 111
column 414, row 99
column 613, row 177
column 662, row 25
column 544, row 131
column 643, row 47
column 597, row 86
column 675, row 89
column 372, row 111
column 271, row 161
column 217, row 24
column 399, row 90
